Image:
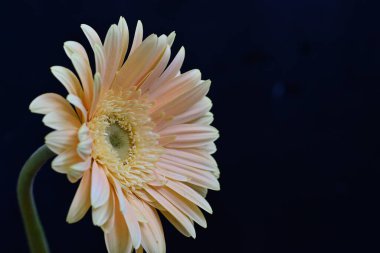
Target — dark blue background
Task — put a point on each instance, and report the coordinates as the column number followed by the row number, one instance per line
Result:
column 296, row 88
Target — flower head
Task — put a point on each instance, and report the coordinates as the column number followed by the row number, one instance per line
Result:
column 136, row 134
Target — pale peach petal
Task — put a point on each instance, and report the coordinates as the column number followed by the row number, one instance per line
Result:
column 50, row 102
column 174, row 104
column 137, row 39
column 84, row 147
column 143, row 195
column 102, row 214
column 156, row 57
column 112, row 44
column 202, row 153
column 201, row 190
column 191, row 114
column 184, row 129
column 158, row 78
column 193, row 141
column 81, row 202
column 83, row 132
column 113, row 54
column 198, row 177
column 82, row 165
column 119, row 194
column 124, row 32
column 178, row 215
column 136, row 65
column 191, row 158
column 140, row 216
column 190, row 194
column 155, row 60
column 77, row 102
column 61, row 120
column 63, row 162
column 141, row 62
column 205, row 120
column 68, row 79
column 178, row 225
column 97, row 93
column 190, row 135
column 91, row 35
column 165, row 140
column 169, row 174
column 100, row 61
column 209, row 148
column 173, row 69
column 108, row 225
column 100, row 188
column 177, row 85
column 152, row 238
column 151, row 81
column 85, row 75
column 73, row 47
column 184, row 205
column 156, row 228
column 171, row 38
column 79, row 58
column 118, row 239
column 59, row 141
column 132, row 223
column 159, row 180
column 96, row 45
column 73, row 175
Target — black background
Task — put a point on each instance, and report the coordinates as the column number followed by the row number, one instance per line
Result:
column 296, row 88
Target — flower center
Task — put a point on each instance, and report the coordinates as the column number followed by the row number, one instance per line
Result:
column 124, row 142
column 119, row 139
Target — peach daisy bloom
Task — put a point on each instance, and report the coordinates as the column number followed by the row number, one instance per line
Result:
column 137, row 136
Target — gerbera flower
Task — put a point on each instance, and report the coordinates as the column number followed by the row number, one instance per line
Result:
column 136, row 134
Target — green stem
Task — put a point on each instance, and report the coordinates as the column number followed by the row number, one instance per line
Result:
column 34, row 230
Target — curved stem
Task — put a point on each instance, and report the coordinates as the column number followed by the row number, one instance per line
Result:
column 34, row 231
